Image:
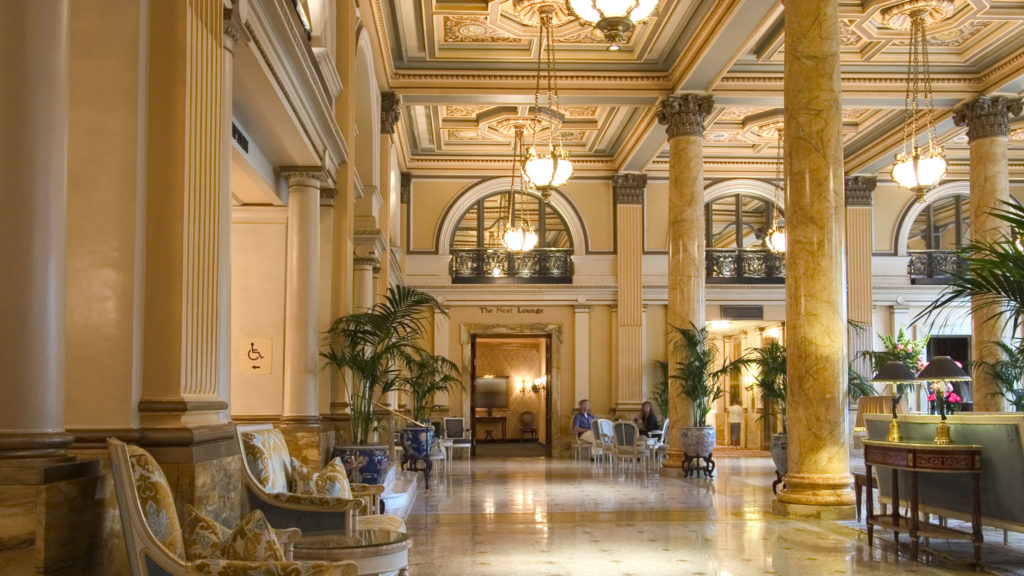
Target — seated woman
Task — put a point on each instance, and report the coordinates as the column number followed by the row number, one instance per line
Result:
column 647, row 422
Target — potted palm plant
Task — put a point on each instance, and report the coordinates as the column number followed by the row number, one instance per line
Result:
column 426, row 375
column 770, row 380
column 699, row 378
column 375, row 347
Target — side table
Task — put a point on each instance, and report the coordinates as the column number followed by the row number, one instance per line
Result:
column 374, row 551
column 916, row 459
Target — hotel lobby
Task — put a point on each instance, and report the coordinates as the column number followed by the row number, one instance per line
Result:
column 218, row 210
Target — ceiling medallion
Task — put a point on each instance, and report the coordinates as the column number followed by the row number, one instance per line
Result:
column 510, row 125
column 901, row 16
column 530, row 11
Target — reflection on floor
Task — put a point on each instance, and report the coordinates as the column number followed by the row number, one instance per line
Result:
column 510, row 450
column 546, row 517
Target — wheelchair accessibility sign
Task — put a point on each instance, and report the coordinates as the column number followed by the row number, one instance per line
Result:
column 254, row 355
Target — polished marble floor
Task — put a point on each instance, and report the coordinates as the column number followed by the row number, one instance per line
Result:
column 556, row 517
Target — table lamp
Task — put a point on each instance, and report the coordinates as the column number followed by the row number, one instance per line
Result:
column 894, row 372
column 942, row 369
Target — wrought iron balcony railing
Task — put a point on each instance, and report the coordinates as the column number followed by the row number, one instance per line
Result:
column 932, row 266
column 486, row 266
column 745, row 267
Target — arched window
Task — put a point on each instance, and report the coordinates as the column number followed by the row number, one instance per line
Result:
column 942, row 227
column 479, row 257
column 736, row 225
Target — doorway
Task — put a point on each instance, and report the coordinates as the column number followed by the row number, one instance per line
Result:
column 510, row 405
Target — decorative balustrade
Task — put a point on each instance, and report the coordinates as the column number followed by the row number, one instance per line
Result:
column 745, row 267
column 486, row 266
column 932, row 266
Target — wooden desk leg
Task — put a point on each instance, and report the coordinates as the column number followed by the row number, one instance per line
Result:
column 870, row 515
column 896, row 506
column 858, row 487
column 913, row 516
column 977, row 538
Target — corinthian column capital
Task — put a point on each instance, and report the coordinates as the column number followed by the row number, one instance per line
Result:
column 390, row 111
column 986, row 116
column 859, row 190
column 684, row 114
column 629, row 188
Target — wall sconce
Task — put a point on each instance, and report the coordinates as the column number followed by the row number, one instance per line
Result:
column 539, row 384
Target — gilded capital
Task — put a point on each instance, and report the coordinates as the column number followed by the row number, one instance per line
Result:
column 390, row 111
column 405, row 191
column 859, row 190
column 629, row 188
column 685, row 114
column 987, row 116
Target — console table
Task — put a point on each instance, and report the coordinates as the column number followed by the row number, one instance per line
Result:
column 375, row 552
column 928, row 459
column 502, row 420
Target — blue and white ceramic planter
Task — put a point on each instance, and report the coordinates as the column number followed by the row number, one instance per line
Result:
column 364, row 464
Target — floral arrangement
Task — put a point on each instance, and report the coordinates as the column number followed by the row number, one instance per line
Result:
column 943, row 396
column 900, row 348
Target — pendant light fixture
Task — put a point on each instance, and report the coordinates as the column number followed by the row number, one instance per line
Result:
column 546, row 170
column 775, row 238
column 517, row 234
column 919, row 167
column 614, row 18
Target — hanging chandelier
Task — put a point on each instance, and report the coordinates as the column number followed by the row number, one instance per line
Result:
column 775, row 238
column 517, row 234
column 918, row 167
column 614, row 18
column 546, row 171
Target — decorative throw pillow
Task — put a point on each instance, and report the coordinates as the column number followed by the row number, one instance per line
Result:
column 332, row 480
column 252, row 541
column 203, row 536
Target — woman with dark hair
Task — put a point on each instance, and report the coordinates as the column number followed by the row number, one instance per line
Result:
column 647, row 422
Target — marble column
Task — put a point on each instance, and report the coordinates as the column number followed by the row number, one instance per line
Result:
column 988, row 128
column 581, row 350
column 819, row 479
column 684, row 117
column 34, row 38
column 859, row 234
column 628, row 195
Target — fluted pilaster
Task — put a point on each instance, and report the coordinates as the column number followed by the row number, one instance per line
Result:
column 628, row 191
column 859, row 234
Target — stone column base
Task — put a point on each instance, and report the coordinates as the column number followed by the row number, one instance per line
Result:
column 52, row 521
column 843, row 512
column 309, row 442
column 673, row 459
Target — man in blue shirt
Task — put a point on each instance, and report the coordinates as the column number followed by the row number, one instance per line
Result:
column 581, row 422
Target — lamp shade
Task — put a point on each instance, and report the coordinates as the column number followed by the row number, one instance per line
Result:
column 943, row 368
column 894, row 371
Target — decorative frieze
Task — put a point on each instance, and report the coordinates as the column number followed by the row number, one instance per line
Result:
column 313, row 176
column 390, row 111
column 685, row 114
column 629, row 188
column 987, row 116
column 860, row 190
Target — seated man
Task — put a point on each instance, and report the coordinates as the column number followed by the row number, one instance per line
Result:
column 581, row 422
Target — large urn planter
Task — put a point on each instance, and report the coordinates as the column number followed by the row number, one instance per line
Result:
column 364, row 464
column 780, row 456
column 698, row 448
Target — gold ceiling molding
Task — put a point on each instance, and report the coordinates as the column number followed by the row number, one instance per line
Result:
column 700, row 44
column 606, row 81
column 898, row 16
column 528, row 11
column 474, row 29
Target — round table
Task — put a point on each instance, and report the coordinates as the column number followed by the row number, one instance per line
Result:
column 374, row 551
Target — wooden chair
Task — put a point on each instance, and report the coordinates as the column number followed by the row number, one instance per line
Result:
column 527, row 426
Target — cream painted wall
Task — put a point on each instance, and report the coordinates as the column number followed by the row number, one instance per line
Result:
column 428, row 200
column 600, row 359
column 593, row 200
column 656, row 216
column 889, row 202
column 105, row 217
column 258, row 254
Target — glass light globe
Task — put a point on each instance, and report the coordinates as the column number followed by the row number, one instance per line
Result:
column 513, row 239
column 547, row 171
column 776, row 240
column 919, row 172
column 585, row 10
column 529, row 240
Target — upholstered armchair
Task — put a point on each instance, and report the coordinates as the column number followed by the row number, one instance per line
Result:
column 153, row 534
column 267, row 472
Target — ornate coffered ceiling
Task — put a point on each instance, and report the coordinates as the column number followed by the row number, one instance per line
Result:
column 463, row 67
